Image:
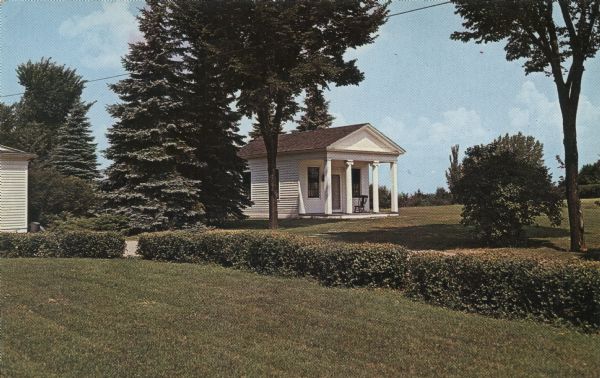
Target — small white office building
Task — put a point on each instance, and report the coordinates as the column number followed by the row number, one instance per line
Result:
column 324, row 173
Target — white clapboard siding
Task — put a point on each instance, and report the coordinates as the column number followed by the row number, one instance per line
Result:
column 13, row 195
column 287, row 205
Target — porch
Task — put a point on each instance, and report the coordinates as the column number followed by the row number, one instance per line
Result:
column 368, row 215
column 338, row 188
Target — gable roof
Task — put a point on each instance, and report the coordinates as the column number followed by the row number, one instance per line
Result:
column 13, row 152
column 304, row 141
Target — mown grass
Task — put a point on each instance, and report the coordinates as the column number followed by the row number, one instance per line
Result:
column 439, row 228
column 128, row 317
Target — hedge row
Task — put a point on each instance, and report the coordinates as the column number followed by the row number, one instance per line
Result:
column 589, row 191
column 65, row 244
column 554, row 291
column 503, row 286
column 273, row 253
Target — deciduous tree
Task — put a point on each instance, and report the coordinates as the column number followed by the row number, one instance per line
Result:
column 552, row 36
column 51, row 90
column 505, row 186
column 271, row 51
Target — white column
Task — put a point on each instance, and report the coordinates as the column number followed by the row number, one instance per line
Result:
column 394, row 176
column 327, row 173
column 349, row 205
column 375, row 183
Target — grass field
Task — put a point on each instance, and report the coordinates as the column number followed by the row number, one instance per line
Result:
column 439, row 228
column 129, row 317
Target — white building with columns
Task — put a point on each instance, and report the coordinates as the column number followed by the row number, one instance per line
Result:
column 324, row 173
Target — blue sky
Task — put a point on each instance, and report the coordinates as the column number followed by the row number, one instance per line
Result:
column 421, row 89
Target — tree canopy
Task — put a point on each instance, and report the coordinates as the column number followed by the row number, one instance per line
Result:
column 551, row 36
column 270, row 52
column 505, row 186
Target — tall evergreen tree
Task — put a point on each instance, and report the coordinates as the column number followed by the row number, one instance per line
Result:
column 146, row 180
column 316, row 111
column 212, row 123
column 75, row 151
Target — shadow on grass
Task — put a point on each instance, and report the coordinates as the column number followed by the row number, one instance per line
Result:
column 441, row 237
column 263, row 224
column 430, row 236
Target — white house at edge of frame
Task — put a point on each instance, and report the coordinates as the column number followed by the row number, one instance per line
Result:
column 323, row 173
column 14, row 168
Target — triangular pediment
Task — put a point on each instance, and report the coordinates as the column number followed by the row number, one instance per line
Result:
column 366, row 139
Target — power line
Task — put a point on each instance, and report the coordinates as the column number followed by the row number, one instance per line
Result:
column 418, row 9
column 104, row 78
column 229, row 52
column 85, row 81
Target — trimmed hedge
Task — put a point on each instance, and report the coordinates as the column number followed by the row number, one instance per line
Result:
column 502, row 286
column 66, row 244
column 554, row 291
column 335, row 264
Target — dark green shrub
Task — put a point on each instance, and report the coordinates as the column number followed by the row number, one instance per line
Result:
column 103, row 222
column 509, row 287
column 27, row 245
column 589, row 191
column 66, row 244
column 53, row 196
column 91, row 244
column 504, row 186
column 283, row 254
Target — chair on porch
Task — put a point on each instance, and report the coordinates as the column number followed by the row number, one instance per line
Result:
column 361, row 201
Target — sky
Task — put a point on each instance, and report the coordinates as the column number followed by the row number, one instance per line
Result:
column 422, row 89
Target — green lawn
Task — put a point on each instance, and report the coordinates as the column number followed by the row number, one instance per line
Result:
column 129, row 317
column 438, row 228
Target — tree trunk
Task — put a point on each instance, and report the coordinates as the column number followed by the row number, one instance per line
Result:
column 569, row 113
column 273, row 189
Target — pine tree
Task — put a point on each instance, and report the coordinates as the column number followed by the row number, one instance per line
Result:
column 212, row 123
column 75, row 151
column 145, row 182
column 316, row 111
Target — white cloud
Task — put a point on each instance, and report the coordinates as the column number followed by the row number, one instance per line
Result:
column 339, row 120
column 428, row 144
column 104, row 34
column 535, row 114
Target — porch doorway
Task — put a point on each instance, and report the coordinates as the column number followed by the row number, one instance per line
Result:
column 336, row 198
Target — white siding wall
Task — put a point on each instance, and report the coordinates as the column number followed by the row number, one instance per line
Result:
column 13, row 195
column 287, row 204
column 312, row 205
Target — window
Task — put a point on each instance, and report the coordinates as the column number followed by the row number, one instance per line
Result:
column 247, row 184
column 313, row 182
column 355, row 182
